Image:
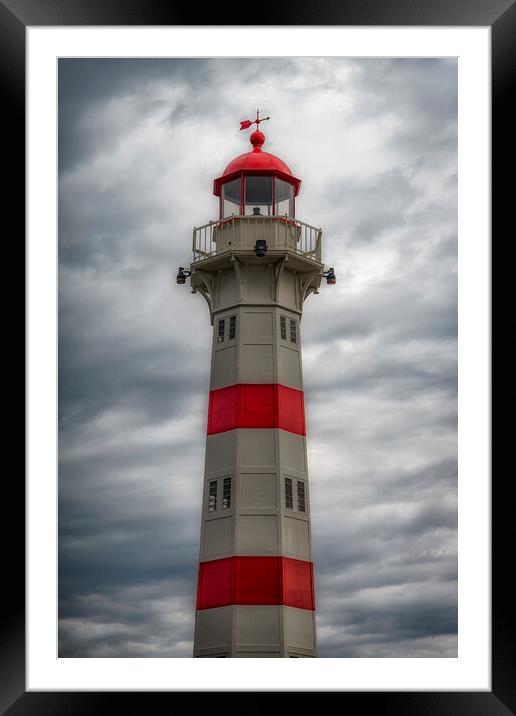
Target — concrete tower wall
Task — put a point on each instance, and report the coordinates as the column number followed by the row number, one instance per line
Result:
column 255, row 586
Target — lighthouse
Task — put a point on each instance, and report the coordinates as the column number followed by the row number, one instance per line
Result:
column 255, row 266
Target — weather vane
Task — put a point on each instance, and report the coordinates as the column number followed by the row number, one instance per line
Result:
column 247, row 123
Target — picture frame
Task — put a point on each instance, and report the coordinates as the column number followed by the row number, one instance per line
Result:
column 15, row 17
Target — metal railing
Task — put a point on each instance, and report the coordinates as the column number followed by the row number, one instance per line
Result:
column 241, row 232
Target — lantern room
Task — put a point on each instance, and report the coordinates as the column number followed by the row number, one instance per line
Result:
column 257, row 213
column 256, row 184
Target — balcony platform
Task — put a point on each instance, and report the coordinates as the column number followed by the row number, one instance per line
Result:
column 220, row 261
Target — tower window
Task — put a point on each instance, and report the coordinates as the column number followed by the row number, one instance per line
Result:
column 289, row 504
column 212, row 496
column 301, row 502
column 226, row 494
column 232, row 327
column 293, row 331
column 220, row 330
column 283, row 327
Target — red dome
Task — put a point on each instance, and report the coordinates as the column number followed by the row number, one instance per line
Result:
column 252, row 161
column 256, row 162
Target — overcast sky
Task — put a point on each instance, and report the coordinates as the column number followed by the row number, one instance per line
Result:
column 375, row 144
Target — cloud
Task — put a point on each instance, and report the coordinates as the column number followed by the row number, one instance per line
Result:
column 152, row 620
column 375, row 143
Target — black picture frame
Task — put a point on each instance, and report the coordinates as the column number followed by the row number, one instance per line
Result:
column 500, row 16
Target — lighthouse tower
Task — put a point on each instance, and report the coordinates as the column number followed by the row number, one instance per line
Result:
column 255, row 266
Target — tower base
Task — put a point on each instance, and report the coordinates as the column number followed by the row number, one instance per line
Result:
column 267, row 631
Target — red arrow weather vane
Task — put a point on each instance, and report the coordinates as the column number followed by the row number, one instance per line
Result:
column 247, row 123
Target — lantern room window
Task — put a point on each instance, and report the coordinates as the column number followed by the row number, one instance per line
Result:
column 250, row 195
column 258, row 196
column 284, row 200
column 231, row 192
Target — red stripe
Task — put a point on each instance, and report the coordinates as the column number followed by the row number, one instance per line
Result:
column 255, row 405
column 256, row 580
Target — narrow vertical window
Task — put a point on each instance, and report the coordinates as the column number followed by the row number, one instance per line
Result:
column 226, row 493
column 232, row 327
column 301, row 502
column 212, row 496
column 283, row 327
column 293, row 331
column 288, row 493
column 221, row 329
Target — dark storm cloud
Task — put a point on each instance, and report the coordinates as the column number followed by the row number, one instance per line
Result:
column 157, row 387
column 391, row 578
column 374, row 141
column 113, row 622
column 86, row 86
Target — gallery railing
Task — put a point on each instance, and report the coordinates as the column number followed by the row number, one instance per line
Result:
column 241, row 232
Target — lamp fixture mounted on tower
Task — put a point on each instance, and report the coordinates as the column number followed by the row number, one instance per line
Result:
column 260, row 248
column 182, row 275
column 330, row 277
